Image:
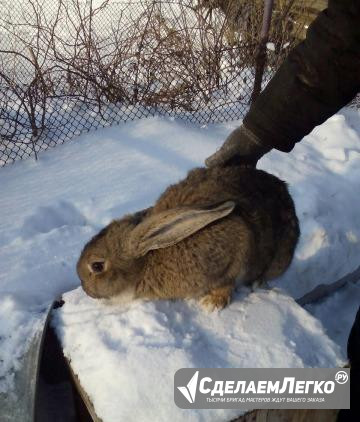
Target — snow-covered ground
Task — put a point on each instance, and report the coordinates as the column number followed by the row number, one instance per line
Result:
column 50, row 208
column 132, row 352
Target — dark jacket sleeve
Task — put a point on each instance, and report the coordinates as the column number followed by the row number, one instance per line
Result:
column 319, row 76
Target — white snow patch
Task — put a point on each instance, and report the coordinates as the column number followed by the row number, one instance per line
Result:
column 17, row 327
column 337, row 313
column 132, row 351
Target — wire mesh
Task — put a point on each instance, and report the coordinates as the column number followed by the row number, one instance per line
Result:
column 71, row 66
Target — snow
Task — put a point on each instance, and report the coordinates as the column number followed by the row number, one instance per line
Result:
column 132, row 351
column 50, row 208
column 337, row 313
column 324, row 186
column 15, row 331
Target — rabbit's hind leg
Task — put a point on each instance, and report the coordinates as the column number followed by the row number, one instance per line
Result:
column 217, row 298
column 287, row 236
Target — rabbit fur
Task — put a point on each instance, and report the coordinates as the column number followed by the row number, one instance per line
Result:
column 217, row 227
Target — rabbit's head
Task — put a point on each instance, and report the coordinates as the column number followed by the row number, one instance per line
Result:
column 113, row 261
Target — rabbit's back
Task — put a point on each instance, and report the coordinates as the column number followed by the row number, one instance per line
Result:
column 254, row 191
column 256, row 241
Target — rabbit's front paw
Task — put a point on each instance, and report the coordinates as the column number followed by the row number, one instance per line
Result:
column 260, row 283
column 217, row 298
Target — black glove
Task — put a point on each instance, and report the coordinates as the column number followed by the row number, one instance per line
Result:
column 241, row 147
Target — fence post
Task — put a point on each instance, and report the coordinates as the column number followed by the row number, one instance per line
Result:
column 261, row 56
column 38, row 74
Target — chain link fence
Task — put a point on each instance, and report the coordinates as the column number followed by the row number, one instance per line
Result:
column 71, row 66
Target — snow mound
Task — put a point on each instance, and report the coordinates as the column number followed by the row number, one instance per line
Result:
column 126, row 355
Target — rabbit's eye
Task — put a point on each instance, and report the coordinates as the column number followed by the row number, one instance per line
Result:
column 97, row 267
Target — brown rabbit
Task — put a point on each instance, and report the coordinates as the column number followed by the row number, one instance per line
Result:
column 217, row 227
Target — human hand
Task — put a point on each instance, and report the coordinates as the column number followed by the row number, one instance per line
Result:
column 241, row 147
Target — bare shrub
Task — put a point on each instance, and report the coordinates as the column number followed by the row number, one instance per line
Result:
column 79, row 65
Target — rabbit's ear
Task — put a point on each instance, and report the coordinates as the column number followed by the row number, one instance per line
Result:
column 171, row 226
